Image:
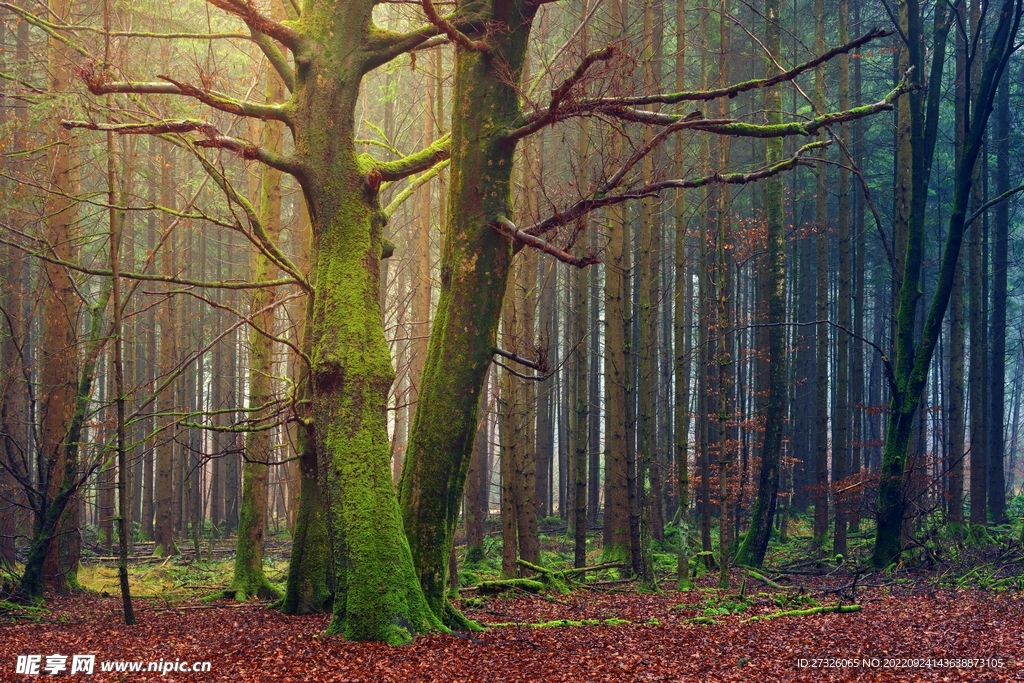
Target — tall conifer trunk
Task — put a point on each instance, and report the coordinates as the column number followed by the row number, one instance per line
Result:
column 755, row 543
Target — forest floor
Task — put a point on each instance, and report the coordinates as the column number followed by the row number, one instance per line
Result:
column 955, row 613
column 907, row 630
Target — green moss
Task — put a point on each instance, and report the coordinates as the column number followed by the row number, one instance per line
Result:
column 455, row 620
column 807, row 612
column 474, row 555
column 308, row 587
column 561, row 623
column 377, row 594
column 566, row 622
column 616, row 553
column 503, row 585
column 978, row 535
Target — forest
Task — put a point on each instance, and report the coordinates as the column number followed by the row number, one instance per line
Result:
column 552, row 340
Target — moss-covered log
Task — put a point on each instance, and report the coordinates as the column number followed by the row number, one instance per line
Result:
column 825, row 609
column 502, row 585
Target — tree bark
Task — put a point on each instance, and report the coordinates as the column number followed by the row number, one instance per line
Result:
column 997, row 337
column 822, row 329
column 773, row 280
column 475, row 266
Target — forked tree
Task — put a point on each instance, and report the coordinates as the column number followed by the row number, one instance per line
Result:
column 322, row 56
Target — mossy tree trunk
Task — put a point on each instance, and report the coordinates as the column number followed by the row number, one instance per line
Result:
column 377, row 593
column 475, row 266
column 913, row 358
column 249, row 579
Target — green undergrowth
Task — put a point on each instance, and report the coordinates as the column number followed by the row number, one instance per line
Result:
column 175, row 579
column 556, row 555
column 14, row 613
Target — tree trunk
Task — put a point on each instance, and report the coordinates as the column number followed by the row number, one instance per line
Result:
column 58, row 354
column 997, row 338
column 512, row 437
column 682, row 324
column 578, row 423
column 913, row 359
column 163, row 527
column 773, row 280
column 476, row 503
column 648, row 275
column 545, row 448
column 822, row 343
column 310, row 575
column 249, row 580
column 860, row 276
column 840, row 432
column 474, row 266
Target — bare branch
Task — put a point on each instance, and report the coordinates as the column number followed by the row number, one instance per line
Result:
column 99, row 83
column 992, row 202
column 509, row 229
column 539, row 366
column 259, row 235
column 559, row 94
column 585, row 206
column 453, row 33
column 148, row 277
column 259, row 23
column 248, row 150
column 753, row 130
column 212, row 139
column 737, row 88
column 535, row 378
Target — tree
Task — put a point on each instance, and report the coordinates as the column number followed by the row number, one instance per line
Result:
column 249, row 579
column 488, row 122
column 333, row 45
column 755, row 543
column 909, row 372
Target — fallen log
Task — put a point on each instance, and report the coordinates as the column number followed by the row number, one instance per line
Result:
column 843, row 609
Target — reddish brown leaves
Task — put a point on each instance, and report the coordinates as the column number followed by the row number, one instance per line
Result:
column 251, row 643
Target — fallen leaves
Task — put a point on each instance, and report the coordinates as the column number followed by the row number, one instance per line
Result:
column 659, row 642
